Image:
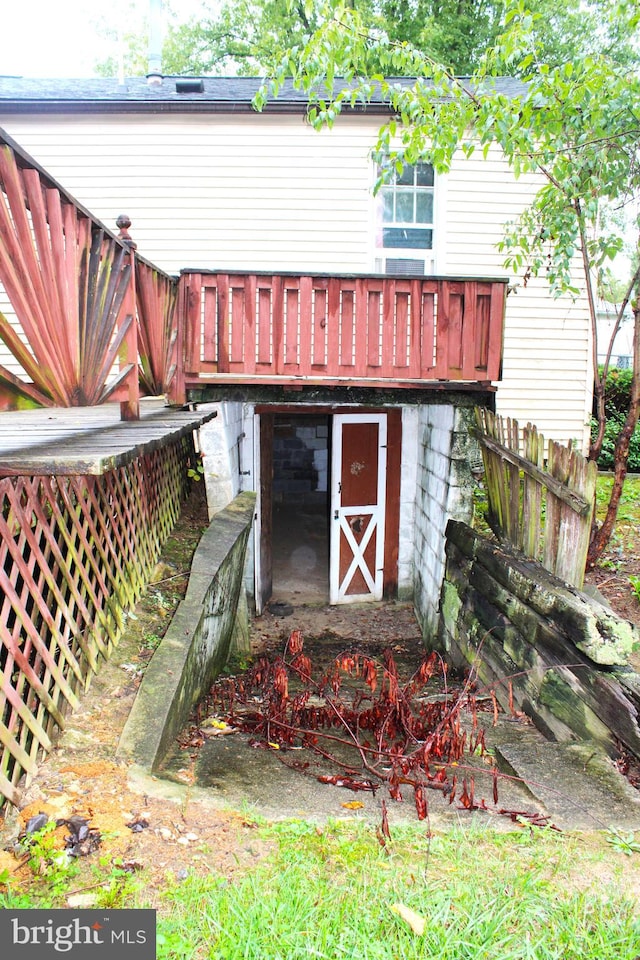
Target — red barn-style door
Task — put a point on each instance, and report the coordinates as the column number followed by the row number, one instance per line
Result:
column 358, row 493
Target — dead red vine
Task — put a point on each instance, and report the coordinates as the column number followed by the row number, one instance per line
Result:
column 402, row 736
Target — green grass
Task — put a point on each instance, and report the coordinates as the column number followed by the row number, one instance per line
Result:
column 630, row 498
column 328, row 893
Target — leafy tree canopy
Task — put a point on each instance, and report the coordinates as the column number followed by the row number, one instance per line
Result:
column 575, row 123
column 248, row 37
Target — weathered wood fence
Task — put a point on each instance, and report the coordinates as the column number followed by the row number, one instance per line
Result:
column 543, row 510
column 93, row 320
column 75, row 553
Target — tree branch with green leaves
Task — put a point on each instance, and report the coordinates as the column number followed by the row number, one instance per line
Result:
column 575, row 124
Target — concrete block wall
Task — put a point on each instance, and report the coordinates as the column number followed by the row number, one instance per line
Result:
column 408, row 487
column 221, row 445
column 226, row 444
column 300, row 460
column 444, row 490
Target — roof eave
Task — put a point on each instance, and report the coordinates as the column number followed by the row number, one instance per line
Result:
column 169, row 106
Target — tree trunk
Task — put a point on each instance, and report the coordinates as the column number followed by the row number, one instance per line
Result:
column 595, row 447
column 602, row 534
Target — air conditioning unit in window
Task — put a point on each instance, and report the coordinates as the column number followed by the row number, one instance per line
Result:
column 404, row 267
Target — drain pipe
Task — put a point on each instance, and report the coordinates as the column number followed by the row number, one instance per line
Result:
column 154, row 76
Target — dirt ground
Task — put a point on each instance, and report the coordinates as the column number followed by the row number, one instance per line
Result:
column 145, row 830
column 612, row 579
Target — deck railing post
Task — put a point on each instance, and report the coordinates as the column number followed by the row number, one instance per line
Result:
column 130, row 405
column 177, row 395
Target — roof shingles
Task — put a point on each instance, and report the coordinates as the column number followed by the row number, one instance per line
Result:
column 218, row 94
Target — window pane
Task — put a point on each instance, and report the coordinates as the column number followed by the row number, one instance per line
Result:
column 406, row 179
column 387, row 206
column 424, row 175
column 424, row 205
column 404, row 207
column 407, row 237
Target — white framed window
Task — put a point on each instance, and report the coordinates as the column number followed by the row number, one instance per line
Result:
column 405, row 222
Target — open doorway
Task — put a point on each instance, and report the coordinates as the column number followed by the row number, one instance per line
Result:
column 329, row 505
column 300, row 507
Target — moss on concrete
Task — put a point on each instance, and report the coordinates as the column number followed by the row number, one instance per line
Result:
column 197, row 644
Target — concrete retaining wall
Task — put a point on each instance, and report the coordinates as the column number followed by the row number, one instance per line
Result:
column 198, row 641
column 561, row 656
column 221, row 447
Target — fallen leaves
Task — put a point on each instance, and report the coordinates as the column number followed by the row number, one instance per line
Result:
column 416, row 922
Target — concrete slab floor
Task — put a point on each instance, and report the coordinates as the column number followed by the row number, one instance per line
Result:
column 300, row 553
column 539, row 777
column 235, row 776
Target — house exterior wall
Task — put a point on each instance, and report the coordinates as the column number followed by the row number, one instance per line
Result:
column 266, row 192
column 444, row 490
column 547, row 363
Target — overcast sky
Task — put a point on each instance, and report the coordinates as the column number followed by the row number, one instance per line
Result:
column 65, row 38
column 44, row 38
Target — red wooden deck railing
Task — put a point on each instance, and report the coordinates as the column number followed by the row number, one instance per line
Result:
column 367, row 330
column 94, row 320
column 97, row 322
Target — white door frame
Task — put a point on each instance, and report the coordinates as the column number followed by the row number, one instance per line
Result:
column 340, row 517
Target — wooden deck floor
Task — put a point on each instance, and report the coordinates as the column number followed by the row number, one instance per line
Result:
column 87, row 440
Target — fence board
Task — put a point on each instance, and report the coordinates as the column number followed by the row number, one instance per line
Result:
column 545, row 513
column 320, row 323
column 533, row 489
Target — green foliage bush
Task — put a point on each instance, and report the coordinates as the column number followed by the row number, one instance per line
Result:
column 617, row 392
column 614, row 425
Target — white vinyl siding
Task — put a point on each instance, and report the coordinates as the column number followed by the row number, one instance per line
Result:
column 547, row 363
column 263, row 193
column 260, row 192
column 6, row 358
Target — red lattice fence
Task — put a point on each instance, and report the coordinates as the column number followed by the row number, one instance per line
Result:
column 75, row 553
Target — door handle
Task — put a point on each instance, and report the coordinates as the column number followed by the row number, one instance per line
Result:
column 335, row 515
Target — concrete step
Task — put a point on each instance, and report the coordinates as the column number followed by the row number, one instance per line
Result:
column 576, row 783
